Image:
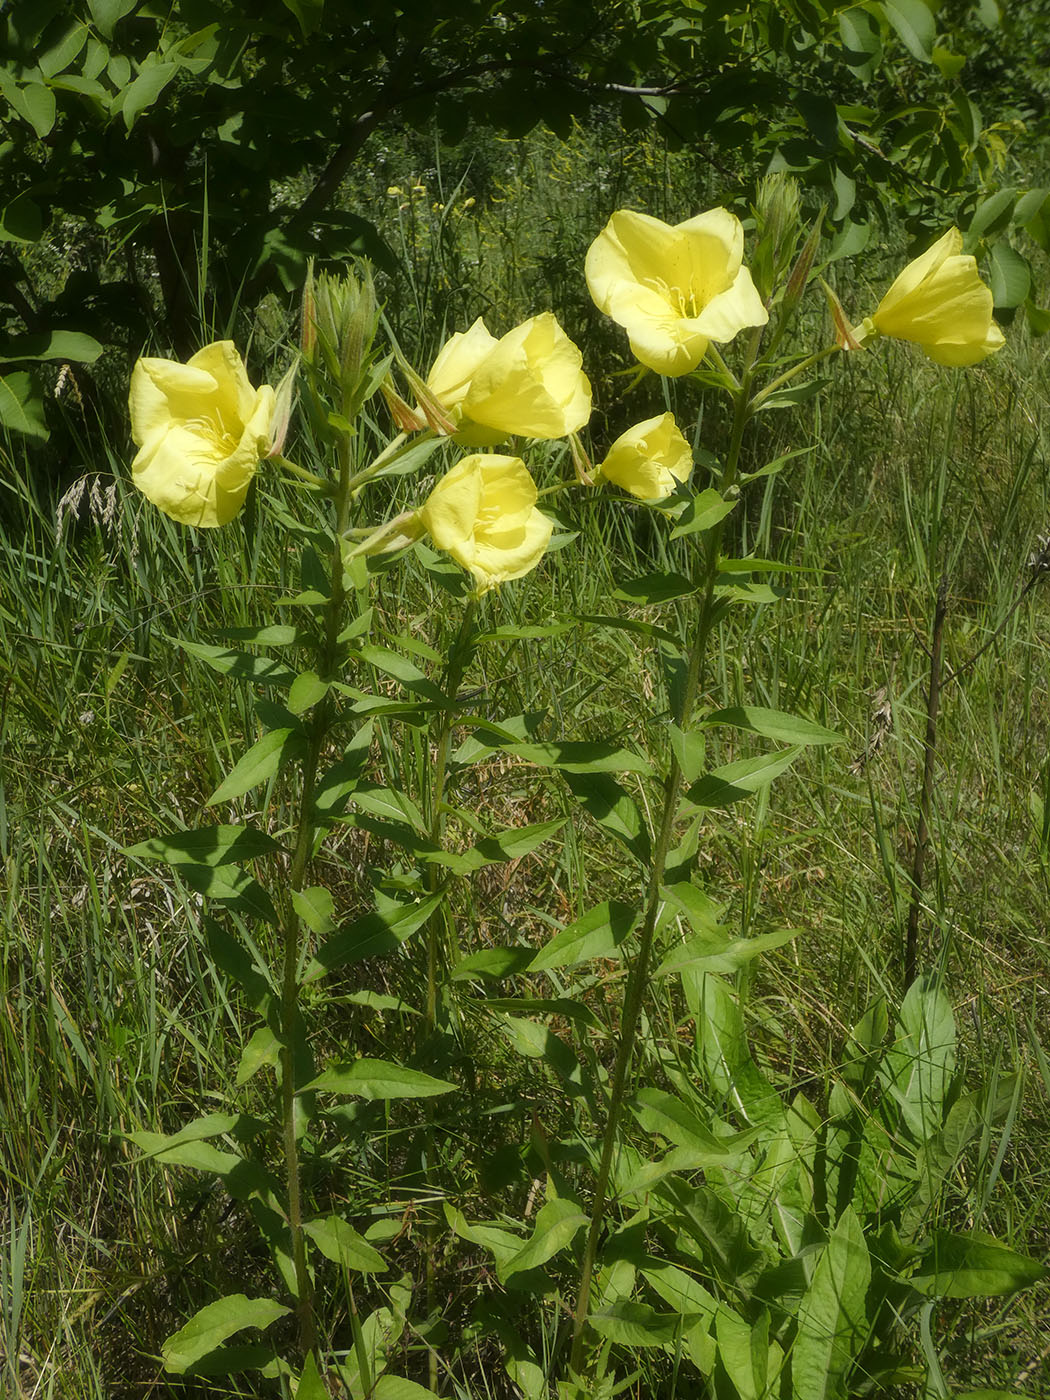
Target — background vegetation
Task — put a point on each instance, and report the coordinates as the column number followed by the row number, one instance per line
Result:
column 164, row 178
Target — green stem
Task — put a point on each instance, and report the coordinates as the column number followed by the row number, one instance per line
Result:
column 638, row 974
column 311, row 478
column 458, row 656
column 290, row 925
column 789, row 374
column 455, row 666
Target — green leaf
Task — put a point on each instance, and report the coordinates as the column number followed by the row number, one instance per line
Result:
column 316, row 907
column 717, row 952
column 309, row 13
column 239, row 664
column 638, row 1325
column 513, row 843
column 200, row 1130
column 728, row 784
column 106, row 13
column 656, row 588
column 307, row 689
column 492, row 962
column 611, row 806
column 581, row 756
column 832, row 1325
column 262, row 761
column 311, row 1386
column 690, row 749
column 597, row 934
column 210, row 1327
column 557, row 1224
column 370, row 936
column 207, row 845
column 145, row 88
column 263, row 1048
column 992, row 213
column 702, row 512
column 659, row 1112
column 21, row 221
column 36, row 102
column 918, row 1065
column 52, row 345
column 21, row 407
column 233, row 887
column 773, row 724
column 1011, row 277
column 390, row 1387
column 344, row 1246
column 973, row 1266
column 378, row 1079
column 914, row 22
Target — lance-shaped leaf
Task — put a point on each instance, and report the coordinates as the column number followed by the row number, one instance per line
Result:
column 206, row 845
column 773, row 724
column 242, row 665
column 342, row 1244
column 262, row 761
column 703, row 511
column 557, row 1224
column 604, row 799
column 378, row 1079
column 733, row 781
column 597, row 934
column 973, row 1266
column 370, row 936
column 210, row 1327
column 832, row 1325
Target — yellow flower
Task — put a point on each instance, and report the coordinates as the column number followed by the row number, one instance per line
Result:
column 483, row 513
column 649, row 459
column 940, row 303
column 531, row 382
column 674, row 288
column 201, row 429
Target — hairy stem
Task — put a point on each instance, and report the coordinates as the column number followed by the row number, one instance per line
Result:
column 638, row 974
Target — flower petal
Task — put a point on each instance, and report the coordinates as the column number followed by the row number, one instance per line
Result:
column 733, row 310
column 182, row 473
column 458, row 361
column 451, row 510
column 919, row 268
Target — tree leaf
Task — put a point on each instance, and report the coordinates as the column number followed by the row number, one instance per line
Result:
column 21, row 407
column 144, row 89
column 914, row 22
column 210, row 1327
column 378, row 1079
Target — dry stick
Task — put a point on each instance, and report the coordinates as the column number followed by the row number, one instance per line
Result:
column 922, row 834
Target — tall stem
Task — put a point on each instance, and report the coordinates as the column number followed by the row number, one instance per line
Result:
column 638, row 975
column 305, row 832
column 458, row 655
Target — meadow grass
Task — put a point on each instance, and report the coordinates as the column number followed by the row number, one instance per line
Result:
column 114, row 1018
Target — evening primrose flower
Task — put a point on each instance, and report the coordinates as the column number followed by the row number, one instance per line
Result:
column 940, row 303
column 674, row 288
column 201, row 429
column 530, row 382
column 650, row 459
column 483, row 513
